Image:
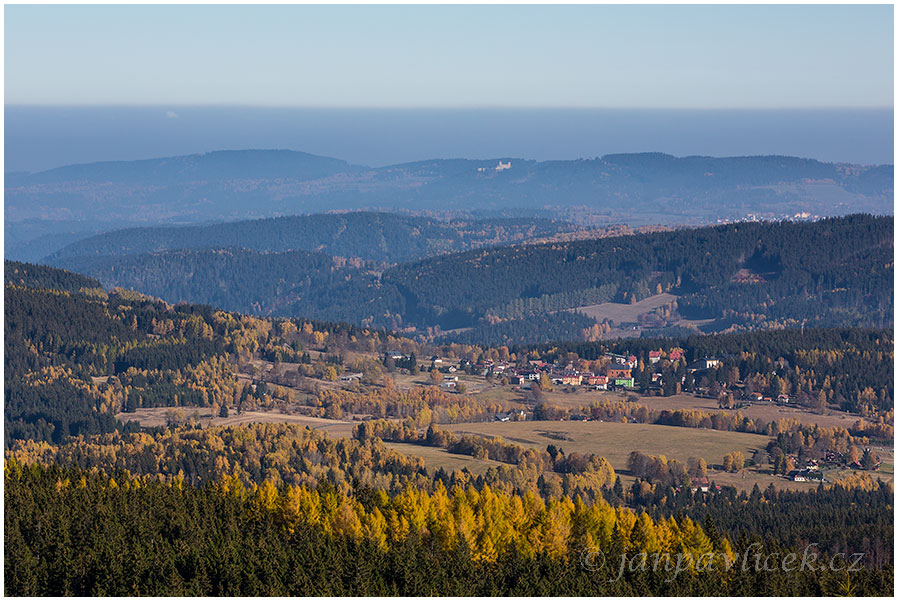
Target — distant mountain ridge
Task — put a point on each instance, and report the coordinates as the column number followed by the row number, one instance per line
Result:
column 256, row 183
column 216, row 165
column 634, row 189
column 370, row 236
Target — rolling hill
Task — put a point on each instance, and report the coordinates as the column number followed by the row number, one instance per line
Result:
column 370, row 236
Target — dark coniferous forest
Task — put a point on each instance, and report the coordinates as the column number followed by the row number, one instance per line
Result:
column 829, row 273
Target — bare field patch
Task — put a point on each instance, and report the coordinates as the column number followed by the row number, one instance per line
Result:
column 436, row 458
column 620, row 312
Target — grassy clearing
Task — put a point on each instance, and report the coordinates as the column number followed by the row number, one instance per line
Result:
column 766, row 412
column 615, row 441
column 435, row 458
column 620, row 312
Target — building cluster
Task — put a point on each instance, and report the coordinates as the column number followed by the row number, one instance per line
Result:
column 500, row 167
column 614, row 375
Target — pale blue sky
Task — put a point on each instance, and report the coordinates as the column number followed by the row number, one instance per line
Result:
column 451, row 56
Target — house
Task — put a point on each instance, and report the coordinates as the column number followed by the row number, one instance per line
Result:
column 783, row 398
column 502, row 166
column 619, row 359
column 516, row 415
column 675, row 354
column 631, row 361
column 626, row 382
column 655, row 357
column 571, row 379
column 699, row 484
column 756, row 396
column 618, row 372
column 350, row 377
column 448, row 385
column 799, row 478
column 395, row 355
column 703, row 364
column 595, row 380
column 520, row 381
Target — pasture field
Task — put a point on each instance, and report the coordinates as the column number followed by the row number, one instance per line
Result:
column 766, row 412
column 615, row 441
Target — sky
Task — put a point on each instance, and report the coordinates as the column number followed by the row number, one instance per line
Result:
column 707, row 57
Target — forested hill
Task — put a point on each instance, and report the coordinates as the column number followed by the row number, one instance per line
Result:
column 370, row 236
column 249, row 281
column 76, row 356
column 27, row 275
column 835, row 272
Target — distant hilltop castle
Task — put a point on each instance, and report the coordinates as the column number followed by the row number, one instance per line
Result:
column 499, row 167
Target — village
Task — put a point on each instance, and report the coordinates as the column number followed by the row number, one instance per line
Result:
column 615, row 374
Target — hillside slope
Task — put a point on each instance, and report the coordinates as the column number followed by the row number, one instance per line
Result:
column 834, row 272
column 370, row 236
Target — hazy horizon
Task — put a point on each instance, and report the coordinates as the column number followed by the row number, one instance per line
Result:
column 40, row 137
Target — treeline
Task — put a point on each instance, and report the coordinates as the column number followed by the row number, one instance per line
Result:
column 423, row 404
column 125, row 535
column 254, row 453
column 667, row 472
column 580, row 474
column 547, row 303
column 530, row 330
column 821, row 438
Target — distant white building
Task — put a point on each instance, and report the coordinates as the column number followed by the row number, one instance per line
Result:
column 502, row 166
